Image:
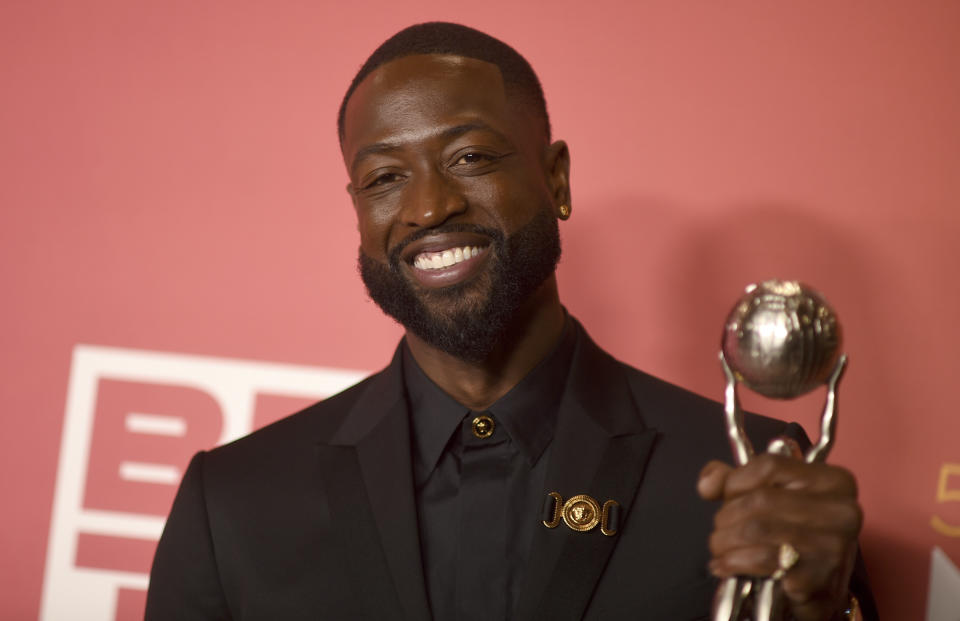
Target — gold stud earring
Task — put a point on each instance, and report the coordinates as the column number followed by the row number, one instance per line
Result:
column 564, row 212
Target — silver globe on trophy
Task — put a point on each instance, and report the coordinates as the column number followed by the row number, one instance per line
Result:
column 781, row 340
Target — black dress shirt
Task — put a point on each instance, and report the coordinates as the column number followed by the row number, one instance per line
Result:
column 478, row 499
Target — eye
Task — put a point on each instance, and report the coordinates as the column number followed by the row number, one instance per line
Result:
column 475, row 161
column 473, row 158
column 384, row 178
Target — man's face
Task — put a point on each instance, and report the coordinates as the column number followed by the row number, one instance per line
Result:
column 455, row 191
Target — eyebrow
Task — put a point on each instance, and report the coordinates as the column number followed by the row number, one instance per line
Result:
column 447, row 134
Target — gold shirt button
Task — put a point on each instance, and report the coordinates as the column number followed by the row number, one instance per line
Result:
column 483, row 426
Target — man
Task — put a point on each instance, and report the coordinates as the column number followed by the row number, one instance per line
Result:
column 502, row 466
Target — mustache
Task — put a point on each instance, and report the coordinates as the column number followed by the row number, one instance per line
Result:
column 496, row 237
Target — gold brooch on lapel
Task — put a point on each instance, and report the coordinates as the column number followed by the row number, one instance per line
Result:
column 581, row 513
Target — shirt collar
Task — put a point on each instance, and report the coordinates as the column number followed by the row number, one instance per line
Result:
column 434, row 414
column 528, row 412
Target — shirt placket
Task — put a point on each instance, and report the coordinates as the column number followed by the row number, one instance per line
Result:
column 482, row 541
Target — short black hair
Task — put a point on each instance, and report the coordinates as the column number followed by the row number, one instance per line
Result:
column 458, row 40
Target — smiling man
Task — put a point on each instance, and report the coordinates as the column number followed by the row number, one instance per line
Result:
column 457, row 191
column 502, row 466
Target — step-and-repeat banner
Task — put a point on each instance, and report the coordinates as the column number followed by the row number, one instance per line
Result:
column 178, row 251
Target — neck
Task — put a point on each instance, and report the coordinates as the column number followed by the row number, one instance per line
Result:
column 533, row 333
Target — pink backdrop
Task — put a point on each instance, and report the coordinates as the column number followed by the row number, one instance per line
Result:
column 172, row 183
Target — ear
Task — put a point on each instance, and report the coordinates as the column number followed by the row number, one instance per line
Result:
column 558, row 173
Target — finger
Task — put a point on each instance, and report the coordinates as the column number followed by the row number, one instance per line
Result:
column 796, row 510
column 769, row 533
column 742, row 561
column 712, row 480
column 792, row 474
column 820, row 558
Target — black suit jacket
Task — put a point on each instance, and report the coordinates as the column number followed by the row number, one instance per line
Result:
column 314, row 517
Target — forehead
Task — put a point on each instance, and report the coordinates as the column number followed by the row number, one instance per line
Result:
column 406, row 99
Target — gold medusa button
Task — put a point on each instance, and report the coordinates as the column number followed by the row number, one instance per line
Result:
column 581, row 513
column 483, row 426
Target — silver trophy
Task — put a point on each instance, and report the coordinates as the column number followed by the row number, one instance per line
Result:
column 781, row 340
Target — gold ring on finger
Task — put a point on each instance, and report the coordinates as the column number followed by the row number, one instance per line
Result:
column 787, row 557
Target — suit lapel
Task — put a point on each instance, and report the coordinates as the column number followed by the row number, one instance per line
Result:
column 600, row 448
column 372, row 499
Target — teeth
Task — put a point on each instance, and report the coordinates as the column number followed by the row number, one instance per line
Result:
column 439, row 260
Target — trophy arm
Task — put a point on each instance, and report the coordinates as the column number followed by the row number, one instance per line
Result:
column 734, row 591
column 729, row 598
column 828, row 421
column 769, row 602
column 733, row 415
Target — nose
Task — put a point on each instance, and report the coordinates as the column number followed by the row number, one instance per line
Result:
column 430, row 200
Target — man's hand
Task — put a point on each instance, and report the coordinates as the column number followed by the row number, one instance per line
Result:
column 774, row 500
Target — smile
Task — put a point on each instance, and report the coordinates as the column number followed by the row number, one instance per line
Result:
column 445, row 258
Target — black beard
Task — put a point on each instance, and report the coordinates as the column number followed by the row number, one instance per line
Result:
column 466, row 320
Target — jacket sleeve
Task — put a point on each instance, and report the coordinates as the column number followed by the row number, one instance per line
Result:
column 184, row 581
